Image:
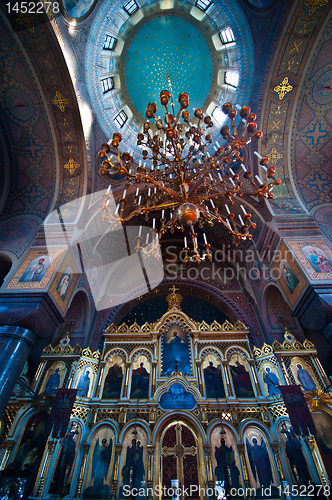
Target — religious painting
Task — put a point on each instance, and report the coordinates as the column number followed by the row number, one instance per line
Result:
column 176, row 351
column 289, row 275
column 287, row 271
column 85, row 379
column 294, row 448
column 77, row 8
column 65, row 461
column 99, row 469
column 261, row 465
column 36, row 271
column 303, row 374
column 323, row 424
column 318, row 259
column 31, row 449
column 271, row 379
column 225, row 458
column 140, row 378
column 64, row 283
column 133, row 469
column 115, row 371
column 177, row 398
column 314, row 257
column 214, row 385
column 53, row 378
column 240, row 373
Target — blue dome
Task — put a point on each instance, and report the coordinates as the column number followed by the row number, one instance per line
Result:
column 168, row 45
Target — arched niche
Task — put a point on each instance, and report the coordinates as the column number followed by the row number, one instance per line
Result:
column 100, row 462
column 261, row 465
column 140, row 377
column 5, row 267
column 277, row 314
column 76, row 318
column 114, row 376
column 213, row 376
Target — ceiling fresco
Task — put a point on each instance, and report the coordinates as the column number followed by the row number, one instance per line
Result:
column 311, row 146
column 131, row 65
column 293, row 106
column 168, row 45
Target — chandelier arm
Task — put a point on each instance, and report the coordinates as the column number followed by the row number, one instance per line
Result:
column 192, row 190
column 172, row 193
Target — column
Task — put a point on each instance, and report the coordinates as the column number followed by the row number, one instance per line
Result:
column 283, row 368
column 125, row 391
column 86, row 447
column 118, row 448
column 44, row 470
column 154, row 378
column 7, row 447
column 253, row 371
column 317, row 460
column 16, row 344
column 228, row 385
column 200, row 384
column 275, row 449
column 241, row 448
column 150, row 470
column 209, row 478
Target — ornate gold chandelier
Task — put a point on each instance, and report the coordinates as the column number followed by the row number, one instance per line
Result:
column 177, row 174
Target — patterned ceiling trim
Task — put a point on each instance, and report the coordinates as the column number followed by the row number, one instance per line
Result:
column 51, row 70
column 311, row 146
column 290, row 64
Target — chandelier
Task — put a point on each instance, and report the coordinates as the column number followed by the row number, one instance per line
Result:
column 180, row 182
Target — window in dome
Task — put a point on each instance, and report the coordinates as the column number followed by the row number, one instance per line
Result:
column 227, row 36
column 109, row 43
column 108, row 84
column 218, row 115
column 232, row 78
column 130, row 7
column 203, row 4
column 121, row 119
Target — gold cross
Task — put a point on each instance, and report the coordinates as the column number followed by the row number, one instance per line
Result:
column 274, row 156
column 60, row 101
column 314, row 4
column 27, row 21
column 283, row 88
column 71, row 166
column 173, row 289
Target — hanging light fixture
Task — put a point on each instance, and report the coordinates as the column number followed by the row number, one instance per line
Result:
column 180, row 181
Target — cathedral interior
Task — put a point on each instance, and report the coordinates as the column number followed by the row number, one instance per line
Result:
column 157, row 370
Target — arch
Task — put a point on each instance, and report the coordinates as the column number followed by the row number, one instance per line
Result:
column 141, row 377
column 77, row 317
column 113, row 379
column 5, row 267
column 211, row 350
column 98, row 472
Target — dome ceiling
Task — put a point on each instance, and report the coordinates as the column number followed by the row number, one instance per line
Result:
column 168, row 45
column 161, row 42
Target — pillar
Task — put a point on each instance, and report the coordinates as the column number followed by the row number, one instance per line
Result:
column 86, row 447
column 241, row 448
column 118, row 448
column 16, row 344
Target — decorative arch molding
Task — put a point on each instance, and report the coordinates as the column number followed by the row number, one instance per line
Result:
column 211, row 350
column 248, row 317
